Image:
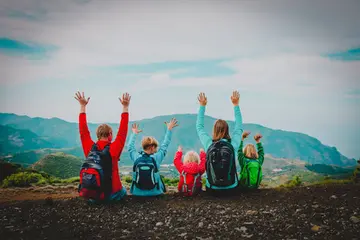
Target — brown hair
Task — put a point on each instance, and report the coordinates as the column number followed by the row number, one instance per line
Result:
column 103, row 131
column 149, row 142
column 250, row 152
column 221, row 130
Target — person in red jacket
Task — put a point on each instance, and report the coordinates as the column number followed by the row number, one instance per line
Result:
column 190, row 171
column 105, row 135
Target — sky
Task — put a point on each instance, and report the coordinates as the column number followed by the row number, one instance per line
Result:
column 296, row 64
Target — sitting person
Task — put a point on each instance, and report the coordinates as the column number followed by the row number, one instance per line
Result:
column 251, row 162
column 146, row 179
column 190, row 171
column 221, row 149
column 99, row 175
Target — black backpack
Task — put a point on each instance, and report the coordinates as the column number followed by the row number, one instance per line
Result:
column 96, row 174
column 145, row 168
column 220, row 164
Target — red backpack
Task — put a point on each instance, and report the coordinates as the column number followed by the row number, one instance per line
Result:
column 186, row 190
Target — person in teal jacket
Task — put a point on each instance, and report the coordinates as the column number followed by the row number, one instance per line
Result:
column 220, row 133
column 150, row 149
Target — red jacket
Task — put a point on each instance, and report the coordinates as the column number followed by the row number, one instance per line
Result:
column 116, row 146
column 191, row 169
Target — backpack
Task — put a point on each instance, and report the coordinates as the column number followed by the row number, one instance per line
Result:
column 220, row 164
column 185, row 188
column 96, row 174
column 145, row 168
column 251, row 174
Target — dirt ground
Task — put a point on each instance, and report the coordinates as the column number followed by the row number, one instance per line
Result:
column 323, row 212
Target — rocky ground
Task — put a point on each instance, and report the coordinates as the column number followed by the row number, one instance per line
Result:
column 326, row 212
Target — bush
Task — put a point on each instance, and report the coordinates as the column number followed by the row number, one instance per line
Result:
column 22, row 179
column 295, row 182
column 128, row 179
column 71, row 180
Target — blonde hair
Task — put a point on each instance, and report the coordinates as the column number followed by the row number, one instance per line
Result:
column 148, row 142
column 103, row 131
column 221, row 130
column 191, row 156
column 250, row 152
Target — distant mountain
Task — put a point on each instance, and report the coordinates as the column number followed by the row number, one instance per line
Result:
column 278, row 143
column 59, row 165
column 17, row 140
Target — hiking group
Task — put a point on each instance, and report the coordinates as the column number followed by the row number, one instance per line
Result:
column 99, row 174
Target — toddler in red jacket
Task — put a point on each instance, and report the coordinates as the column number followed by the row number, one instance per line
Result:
column 190, row 171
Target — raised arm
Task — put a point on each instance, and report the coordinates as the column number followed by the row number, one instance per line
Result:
column 205, row 139
column 178, row 160
column 202, row 164
column 85, row 137
column 241, row 157
column 260, row 148
column 160, row 154
column 131, row 145
column 117, row 146
column 238, row 129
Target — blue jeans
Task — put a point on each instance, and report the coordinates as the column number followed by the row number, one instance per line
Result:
column 113, row 197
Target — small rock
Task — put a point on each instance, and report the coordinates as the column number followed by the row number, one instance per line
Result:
column 201, row 224
column 333, row 197
column 182, row 234
column 248, row 223
column 315, row 206
column 243, row 229
column 158, row 224
column 315, row 228
column 355, row 219
column 251, row 212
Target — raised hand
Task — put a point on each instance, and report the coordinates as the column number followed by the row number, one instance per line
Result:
column 235, row 98
column 245, row 134
column 180, row 149
column 125, row 100
column 173, row 123
column 202, row 99
column 257, row 137
column 135, row 128
column 81, row 99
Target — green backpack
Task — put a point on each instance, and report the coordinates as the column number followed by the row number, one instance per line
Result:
column 251, row 174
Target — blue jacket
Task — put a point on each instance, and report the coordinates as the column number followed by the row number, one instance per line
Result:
column 206, row 140
column 158, row 157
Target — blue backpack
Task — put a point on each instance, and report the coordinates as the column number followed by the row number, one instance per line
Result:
column 145, row 168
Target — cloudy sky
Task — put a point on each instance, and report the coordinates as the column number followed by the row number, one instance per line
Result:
column 295, row 63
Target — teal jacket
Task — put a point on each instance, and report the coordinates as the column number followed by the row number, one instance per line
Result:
column 158, row 156
column 206, row 140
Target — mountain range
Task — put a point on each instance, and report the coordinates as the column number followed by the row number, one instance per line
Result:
column 27, row 139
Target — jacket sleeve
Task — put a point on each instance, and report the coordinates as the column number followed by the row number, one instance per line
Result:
column 161, row 153
column 85, row 137
column 131, row 148
column 241, row 156
column 260, row 152
column 117, row 146
column 202, row 164
column 205, row 139
column 238, row 129
column 178, row 161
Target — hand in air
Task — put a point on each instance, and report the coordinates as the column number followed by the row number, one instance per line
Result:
column 125, row 100
column 173, row 123
column 257, row 137
column 180, row 149
column 245, row 134
column 235, row 98
column 81, row 98
column 135, row 128
column 202, row 99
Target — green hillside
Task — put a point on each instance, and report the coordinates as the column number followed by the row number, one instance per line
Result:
column 59, row 165
column 17, row 140
column 278, row 143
